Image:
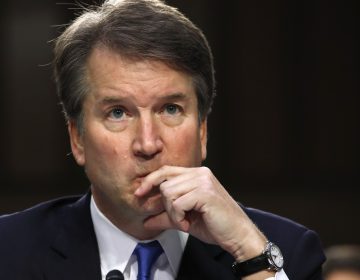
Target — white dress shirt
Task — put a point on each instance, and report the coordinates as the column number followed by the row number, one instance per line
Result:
column 116, row 250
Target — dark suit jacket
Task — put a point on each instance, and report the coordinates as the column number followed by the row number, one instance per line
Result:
column 56, row 241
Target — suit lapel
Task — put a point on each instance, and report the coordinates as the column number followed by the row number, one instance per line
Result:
column 74, row 251
column 204, row 261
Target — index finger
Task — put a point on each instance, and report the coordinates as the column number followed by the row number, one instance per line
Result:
column 155, row 178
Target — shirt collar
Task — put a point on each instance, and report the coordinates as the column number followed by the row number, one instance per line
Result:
column 173, row 242
column 116, row 247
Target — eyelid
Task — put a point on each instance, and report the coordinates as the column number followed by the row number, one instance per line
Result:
column 178, row 106
column 116, row 107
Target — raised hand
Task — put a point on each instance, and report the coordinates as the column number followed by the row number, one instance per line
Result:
column 196, row 202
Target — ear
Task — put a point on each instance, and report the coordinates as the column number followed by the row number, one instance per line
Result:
column 76, row 143
column 203, row 138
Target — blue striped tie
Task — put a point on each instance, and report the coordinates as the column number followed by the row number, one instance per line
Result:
column 147, row 254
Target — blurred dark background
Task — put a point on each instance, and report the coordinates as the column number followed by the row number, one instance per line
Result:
column 284, row 132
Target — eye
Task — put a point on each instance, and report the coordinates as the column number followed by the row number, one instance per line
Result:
column 172, row 109
column 116, row 113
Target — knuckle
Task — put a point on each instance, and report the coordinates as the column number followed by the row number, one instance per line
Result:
column 163, row 168
column 205, row 181
column 164, row 189
column 176, row 205
column 205, row 172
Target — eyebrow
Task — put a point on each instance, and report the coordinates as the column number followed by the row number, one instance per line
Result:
column 178, row 96
column 111, row 100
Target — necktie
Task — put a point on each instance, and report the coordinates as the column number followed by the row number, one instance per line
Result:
column 147, row 254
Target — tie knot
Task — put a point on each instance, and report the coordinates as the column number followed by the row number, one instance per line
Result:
column 147, row 254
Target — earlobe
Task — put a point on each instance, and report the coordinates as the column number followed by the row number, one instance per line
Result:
column 76, row 143
column 203, row 138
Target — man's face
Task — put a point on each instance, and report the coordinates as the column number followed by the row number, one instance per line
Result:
column 343, row 275
column 138, row 116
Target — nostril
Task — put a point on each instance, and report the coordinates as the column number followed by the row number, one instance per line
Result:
column 147, row 150
column 146, row 156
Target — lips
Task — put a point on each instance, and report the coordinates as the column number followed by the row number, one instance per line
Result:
column 143, row 175
column 144, row 172
column 139, row 178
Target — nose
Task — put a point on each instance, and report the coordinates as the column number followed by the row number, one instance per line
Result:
column 147, row 141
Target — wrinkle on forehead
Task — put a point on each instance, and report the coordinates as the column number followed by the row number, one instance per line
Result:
column 114, row 76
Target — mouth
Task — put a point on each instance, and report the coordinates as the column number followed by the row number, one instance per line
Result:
column 143, row 172
column 140, row 177
column 143, row 175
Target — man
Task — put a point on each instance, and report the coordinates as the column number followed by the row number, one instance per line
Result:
column 136, row 82
column 342, row 262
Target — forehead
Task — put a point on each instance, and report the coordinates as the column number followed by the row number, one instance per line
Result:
column 108, row 69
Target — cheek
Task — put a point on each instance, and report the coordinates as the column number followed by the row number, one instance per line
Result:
column 106, row 150
column 185, row 146
column 108, row 162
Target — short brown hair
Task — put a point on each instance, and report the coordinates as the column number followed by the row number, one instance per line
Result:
column 136, row 29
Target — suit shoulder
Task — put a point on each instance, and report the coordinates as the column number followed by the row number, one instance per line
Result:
column 31, row 221
column 268, row 221
column 28, row 237
column 298, row 243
